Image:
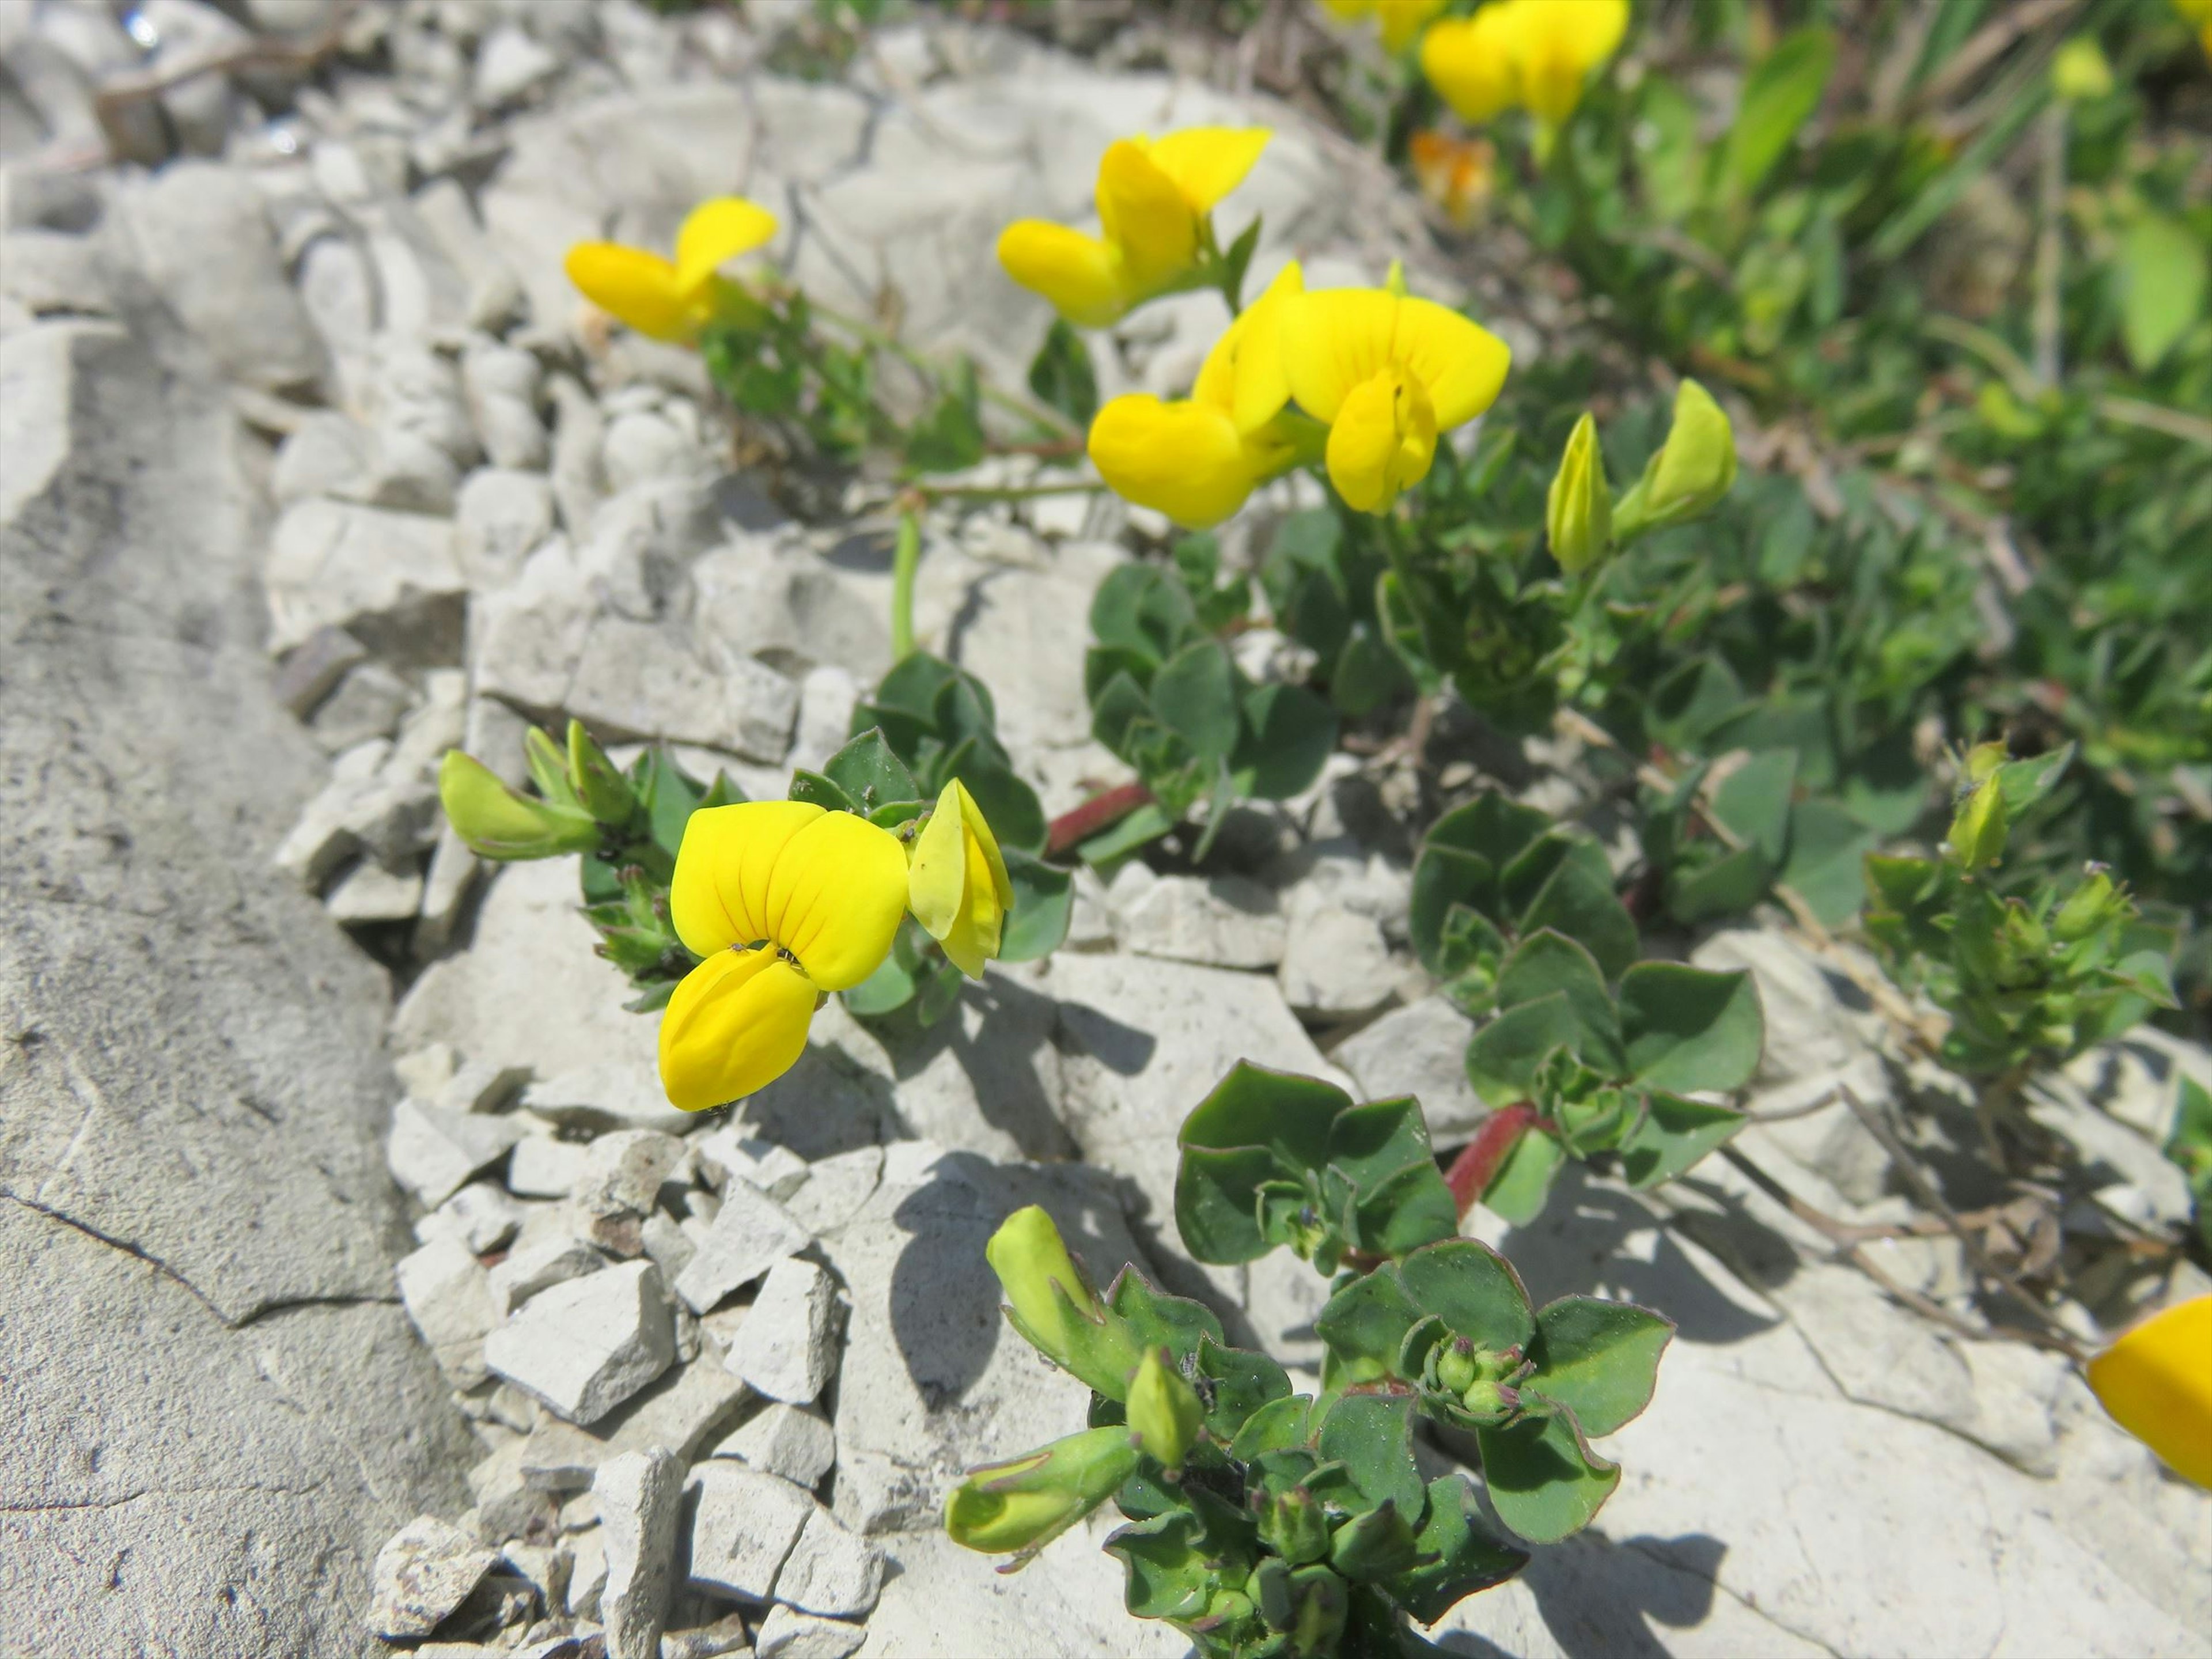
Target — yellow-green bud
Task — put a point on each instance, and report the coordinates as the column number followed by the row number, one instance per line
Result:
column 1578, row 511
column 1455, row 1366
column 597, row 783
column 1394, row 280
column 1028, row 1501
column 548, row 768
column 2090, row 907
column 2080, row 71
column 1693, row 469
column 499, row 822
column 1051, row 1302
column 1978, row 832
column 1163, row 1410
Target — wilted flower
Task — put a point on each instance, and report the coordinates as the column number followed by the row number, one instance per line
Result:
column 957, row 882
column 499, row 822
column 782, row 901
column 1052, row 1303
column 1155, row 197
column 1026, row 1502
column 672, row 301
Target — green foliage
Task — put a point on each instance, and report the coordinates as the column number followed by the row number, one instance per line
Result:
column 2190, row 1146
column 2027, row 979
column 1296, row 1524
column 1168, row 698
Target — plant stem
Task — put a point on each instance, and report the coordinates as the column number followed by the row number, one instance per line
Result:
column 868, row 334
column 1101, row 811
column 1480, row 1159
column 906, row 558
column 1008, row 492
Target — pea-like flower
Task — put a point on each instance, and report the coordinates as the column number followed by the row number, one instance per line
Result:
column 1155, row 199
column 1400, row 19
column 782, row 901
column 673, row 302
column 1535, row 53
column 2156, row 1381
column 1197, row 458
column 957, row 882
column 1026, row 1502
column 1388, row 373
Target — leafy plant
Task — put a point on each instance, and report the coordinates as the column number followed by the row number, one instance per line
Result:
column 1264, row 1522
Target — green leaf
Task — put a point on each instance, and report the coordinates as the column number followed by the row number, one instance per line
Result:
column 937, row 991
column 1503, row 1058
column 1516, row 1193
column 1194, row 695
column 2025, row 782
column 868, row 771
column 1216, row 1203
column 1288, row 734
column 1061, row 377
column 818, row 791
column 1044, row 897
column 891, row 987
column 1753, row 802
column 2163, row 276
column 1009, row 805
column 1277, row 1427
column 1577, row 900
column 1365, row 1323
column 1243, row 1382
column 1169, row 1565
column 1372, row 1142
column 1728, row 886
column 1405, row 1211
column 1826, row 864
column 1690, row 701
column 1543, row 1480
column 1779, row 96
column 1147, row 823
column 1254, row 1106
column 1138, row 608
column 1599, row 1359
column 1156, row 1320
column 1547, row 963
column 1372, row 1435
column 1685, row 1028
column 1376, row 1544
column 950, row 437
column 1672, row 1135
column 1474, row 1290
column 1460, row 1554
column 1237, row 260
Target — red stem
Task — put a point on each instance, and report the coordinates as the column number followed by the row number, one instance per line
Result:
column 1101, row 811
column 1479, row 1160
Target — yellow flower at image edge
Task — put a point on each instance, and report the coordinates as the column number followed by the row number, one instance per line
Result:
column 2156, row 1381
column 782, row 901
column 671, row 301
column 1388, row 373
column 1536, row 53
column 956, row 882
column 1196, row 459
column 1154, row 196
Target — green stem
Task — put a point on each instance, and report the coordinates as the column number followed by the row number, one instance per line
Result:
column 868, row 334
column 1008, row 492
column 906, row 558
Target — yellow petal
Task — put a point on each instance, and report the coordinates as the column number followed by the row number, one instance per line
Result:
column 1147, row 219
column 1382, row 440
column 715, row 233
column 972, row 938
column 1401, row 20
column 2156, row 1381
column 634, row 286
column 735, row 1023
column 937, row 874
column 1349, row 11
column 1183, row 458
column 1338, row 339
column 1558, row 44
column 1078, row 274
column 1244, row 372
column 828, row 887
column 1469, row 61
column 980, row 832
column 1206, row 163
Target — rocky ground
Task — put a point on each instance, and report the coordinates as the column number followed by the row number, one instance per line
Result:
column 315, row 467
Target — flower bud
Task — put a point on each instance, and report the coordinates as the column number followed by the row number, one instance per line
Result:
column 548, row 768
column 1051, row 1302
column 1455, row 1366
column 1578, row 511
column 1693, row 469
column 1292, row 1523
column 1163, row 1410
column 2092, row 906
column 1026, row 1502
column 498, row 823
column 1977, row 831
column 599, row 786
column 2080, row 71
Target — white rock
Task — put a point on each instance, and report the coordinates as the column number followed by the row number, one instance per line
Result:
column 644, row 446
column 46, row 271
column 510, row 65
column 785, row 1634
column 448, row 1297
column 391, row 580
column 503, row 385
column 481, row 1215
column 587, row 1579
column 762, row 1164
column 369, row 703
column 790, row 1441
column 1419, row 1050
column 543, row 1167
column 1227, row 921
column 787, row 1349
column 535, row 1264
column 506, row 1504
column 826, row 696
column 667, row 1244
column 622, row 1172
column 680, row 1413
column 830, row 1571
column 640, row 1501
column 836, row 1186
column 744, row 1524
column 354, row 804
column 609, row 1093
column 1336, row 962
column 434, row 1152
column 368, row 893
column 502, row 517
column 585, row 1347
column 475, row 1085
column 424, row 1571
column 640, row 680
column 751, row 1235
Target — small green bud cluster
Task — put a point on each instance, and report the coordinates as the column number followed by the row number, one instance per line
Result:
column 1693, row 469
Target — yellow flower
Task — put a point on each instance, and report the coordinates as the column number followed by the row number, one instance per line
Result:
column 782, row 901
column 2156, row 1381
column 1469, row 61
column 1401, row 20
column 672, row 301
column 1154, row 197
column 956, row 882
column 1387, row 373
column 1197, row 459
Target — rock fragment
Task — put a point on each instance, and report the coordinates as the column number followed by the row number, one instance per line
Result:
column 447, row 1296
column 433, row 1153
column 481, row 1215
column 585, row 1347
column 538, row 1264
column 787, row 1348
column 680, row 1413
column 424, row 1571
column 640, row 1500
column 785, row 1634
column 798, row 1444
column 750, row 1234
column 830, row 1571
column 743, row 1524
